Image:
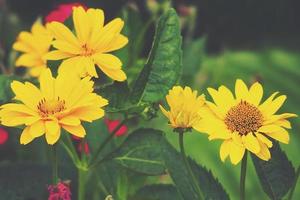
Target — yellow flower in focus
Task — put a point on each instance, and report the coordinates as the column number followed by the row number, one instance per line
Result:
column 59, row 103
column 185, row 107
column 34, row 45
column 244, row 123
column 90, row 46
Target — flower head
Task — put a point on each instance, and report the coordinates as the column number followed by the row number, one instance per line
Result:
column 61, row 191
column 185, row 107
column 34, row 46
column 3, row 136
column 90, row 46
column 62, row 12
column 61, row 102
column 112, row 124
column 243, row 122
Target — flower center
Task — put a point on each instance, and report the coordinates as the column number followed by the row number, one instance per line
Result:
column 244, row 118
column 50, row 107
column 86, row 51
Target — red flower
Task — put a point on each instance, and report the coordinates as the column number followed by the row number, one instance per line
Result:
column 3, row 136
column 62, row 12
column 86, row 148
column 112, row 124
column 61, row 191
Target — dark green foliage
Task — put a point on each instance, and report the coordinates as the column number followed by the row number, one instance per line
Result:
column 276, row 175
column 141, row 152
column 157, row 192
column 209, row 186
column 164, row 63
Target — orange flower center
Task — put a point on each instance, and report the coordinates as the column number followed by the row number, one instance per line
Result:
column 50, row 107
column 244, row 118
column 86, row 51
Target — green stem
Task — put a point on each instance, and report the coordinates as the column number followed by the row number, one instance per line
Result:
column 295, row 183
column 107, row 140
column 187, row 165
column 243, row 176
column 54, row 164
column 82, row 176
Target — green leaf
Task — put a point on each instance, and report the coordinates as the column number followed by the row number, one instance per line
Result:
column 164, row 63
column 141, row 152
column 209, row 185
column 276, row 175
column 5, row 90
column 157, row 192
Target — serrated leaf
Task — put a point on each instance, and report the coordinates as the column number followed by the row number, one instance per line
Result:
column 157, row 192
column 276, row 175
column 164, row 63
column 209, row 185
column 141, row 152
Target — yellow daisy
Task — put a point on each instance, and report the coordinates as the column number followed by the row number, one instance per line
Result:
column 61, row 102
column 185, row 107
column 90, row 46
column 243, row 122
column 34, row 45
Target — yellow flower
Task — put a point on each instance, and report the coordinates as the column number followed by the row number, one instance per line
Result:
column 59, row 103
column 90, row 46
column 185, row 107
column 243, row 122
column 34, row 45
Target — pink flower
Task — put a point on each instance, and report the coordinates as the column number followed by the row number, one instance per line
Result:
column 112, row 124
column 61, row 191
column 86, row 148
column 62, row 12
column 3, row 136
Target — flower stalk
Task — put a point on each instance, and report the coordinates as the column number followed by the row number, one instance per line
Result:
column 187, row 165
column 243, row 176
column 82, row 177
column 54, row 165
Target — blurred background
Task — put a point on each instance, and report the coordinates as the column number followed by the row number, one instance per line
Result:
column 222, row 41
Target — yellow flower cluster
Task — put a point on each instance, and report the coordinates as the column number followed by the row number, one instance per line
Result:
column 241, row 121
column 91, row 45
column 67, row 100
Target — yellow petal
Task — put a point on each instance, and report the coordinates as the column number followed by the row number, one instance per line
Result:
column 251, row 143
column 89, row 113
column 28, row 60
column 108, row 34
column 241, row 90
column 117, row 75
column 26, row 137
column 57, row 55
column 269, row 128
column 52, row 131
column 67, row 47
column 225, row 150
column 81, row 24
column 108, row 61
column 70, row 120
column 119, row 42
column 281, row 136
column 61, row 32
column 255, row 94
column 236, row 153
column 27, row 93
column 264, row 139
column 36, row 71
column 264, row 153
column 37, row 129
column 75, row 130
column 47, row 84
column 96, row 18
column 166, row 113
column 274, row 106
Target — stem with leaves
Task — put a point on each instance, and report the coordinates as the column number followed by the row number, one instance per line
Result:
column 54, row 164
column 243, row 176
column 107, row 140
column 187, row 164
